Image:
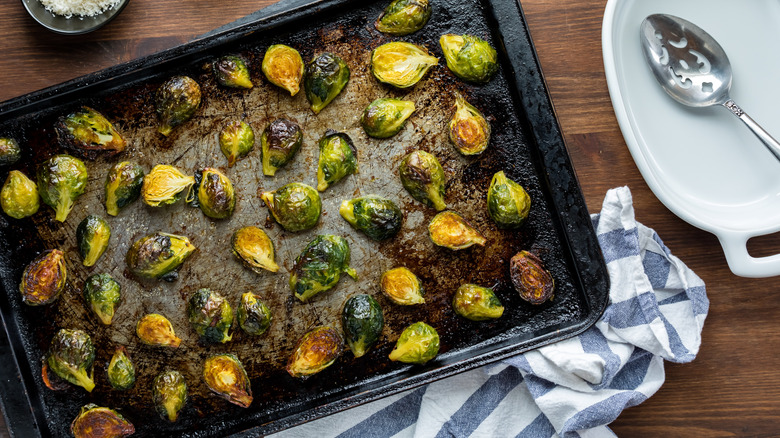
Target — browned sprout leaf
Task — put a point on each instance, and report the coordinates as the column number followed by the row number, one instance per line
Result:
column 531, row 279
column 316, row 350
column 94, row 421
column 44, row 278
column 450, row 230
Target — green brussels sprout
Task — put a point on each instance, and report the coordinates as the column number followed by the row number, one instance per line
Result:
column 92, row 237
column 280, row 141
column 532, row 281
column 226, row 377
column 88, row 133
column 61, row 180
column 121, row 371
column 236, row 140
column 295, row 206
column 123, row 186
column 450, row 230
column 164, row 185
column 326, row 75
column 231, row 71
column 44, row 278
column 315, row 351
column 338, row 158
column 158, row 256
column 255, row 249
column 363, row 321
column 169, row 394
column 319, row 266
column 469, row 130
column 471, row 58
column 19, row 196
column 102, row 294
column 401, row 64
column 176, row 101
column 283, row 66
column 423, row 177
column 402, row 17
column 378, row 217
column 417, row 344
column 254, row 317
column 402, row 287
column 477, row 303
column 156, row 330
column 71, row 357
column 384, row 117
column 216, row 196
column 10, row 152
column 210, row 315
column 508, row 203
column 94, row 421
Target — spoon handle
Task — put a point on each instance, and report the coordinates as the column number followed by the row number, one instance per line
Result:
column 769, row 141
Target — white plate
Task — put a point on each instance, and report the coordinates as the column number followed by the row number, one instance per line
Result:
column 704, row 164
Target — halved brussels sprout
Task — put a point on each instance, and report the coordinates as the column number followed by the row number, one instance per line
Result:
column 210, row 315
column 254, row 317
column 315, row 351
column 225, row 376
column 280, row 141
column 156, row 330
column 384, row 117
column 158, row 255
column 532, row 281
column 471, row 58
column 169, row 394
column 326, row 75
column 338, row 158
column 102, row 294
column 508, row 204
column 417, row 344
column 19, row 196
column 363, row 321
column 402, row 17
column 92, row 237
column 283, row 66
column 88, row 133
column 231, row 71
column 469, row 130
column 378, row 217
column 10, row 152
column 423, row 177
column 295, row 206
column 402, row 287
column 177, row 100
column 255, row 249
column 401, row 64
column 123, row 186
column 236, row 140
column 450, row 230
column 71, row 356
column 164, row 185
column 61, row 180
column 216, row 196
column 319, row 266
column 477, row 303
column 94, row 421
column 121, row 371
column 44, row 278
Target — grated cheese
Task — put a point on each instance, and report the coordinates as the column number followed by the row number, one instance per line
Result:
column 82, row 8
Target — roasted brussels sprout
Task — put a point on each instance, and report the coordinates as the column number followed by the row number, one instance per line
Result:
column 61, row 180
column 402, row 287
column 253, row 316
column 283, row 66
column 319, row 266
column 401, row 64
column 10, row 152
column 423, row 177
column 255, row 249
column 338, row 158
column 471, row 58
column 92, row 237
column 44, row 278
column 507, row 202
column 231, row 71
column 102, row 294
column 121, row 371
column 363, row 321
column 169, row 393
column 469, row 130
column 236, row 140
column 19, row 196
column 295, row 206
column 280, row 141
column 156, row 330
column 532, row 281
column 164, row 185
column 71, row 357
column 210, row 315
column 315, row 351
column 402, row 17
column 326, row 75
column 94, row 421
column 384, row 117
column 88, row 133
column 477, row 303
column 450, row 230
column 417, row 344
column 158, row 255
column 123, row 186
column 226, row 377
column 216, row 196
column 378, row 218
column 177, row 100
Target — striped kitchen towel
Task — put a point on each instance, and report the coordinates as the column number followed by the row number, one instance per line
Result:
column 573, row 388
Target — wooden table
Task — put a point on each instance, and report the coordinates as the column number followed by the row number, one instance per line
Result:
column 731, row 389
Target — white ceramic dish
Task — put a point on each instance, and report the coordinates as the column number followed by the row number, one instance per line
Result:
column 703, row 164
column 74, row 25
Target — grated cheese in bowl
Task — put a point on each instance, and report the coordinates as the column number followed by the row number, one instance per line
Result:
column 82, row 8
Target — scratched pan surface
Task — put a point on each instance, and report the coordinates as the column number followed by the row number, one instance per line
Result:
column 526, row 143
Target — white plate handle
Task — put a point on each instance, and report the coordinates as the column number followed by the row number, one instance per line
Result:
column 743, row 264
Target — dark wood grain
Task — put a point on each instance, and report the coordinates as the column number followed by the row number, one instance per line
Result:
column 731, row 389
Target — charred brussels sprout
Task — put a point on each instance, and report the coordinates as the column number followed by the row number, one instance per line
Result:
column 417, row 344
column 231, row 71
column 177, row 100
column 326, row 75
column 158, row 255
column 210, row 315
column 92, row 237
column 164, row 185
column 384, row 117
column 88, row 133
column 10, row 152
column 401, row 64
column 532, row 281
column 254, row 248
column 450, row 230
column 236, row 140
column 19, row 196
column 402, row 287
column 471, row 58
column 94, row 421
column 280, row 141
column 402, row 17
column 44, row 278
column 226, row 377
column 378, row 217
column 338, row 158
column 71, row 357
column 169, row 394
column 315, row 351
column 423, row 177
column 363, row 321
column 102, row 294
column 156, row 330
column 121, row 371
column 477, row 303
column 253, row 316
column 283, row 66
column 216, row 196
column 468, row 129
column 295, row 206
column 319, row 267
column 123, row 186
column 61, row 180
column 507, row 202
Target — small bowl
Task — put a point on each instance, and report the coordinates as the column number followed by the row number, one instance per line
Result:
column 74, row 25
